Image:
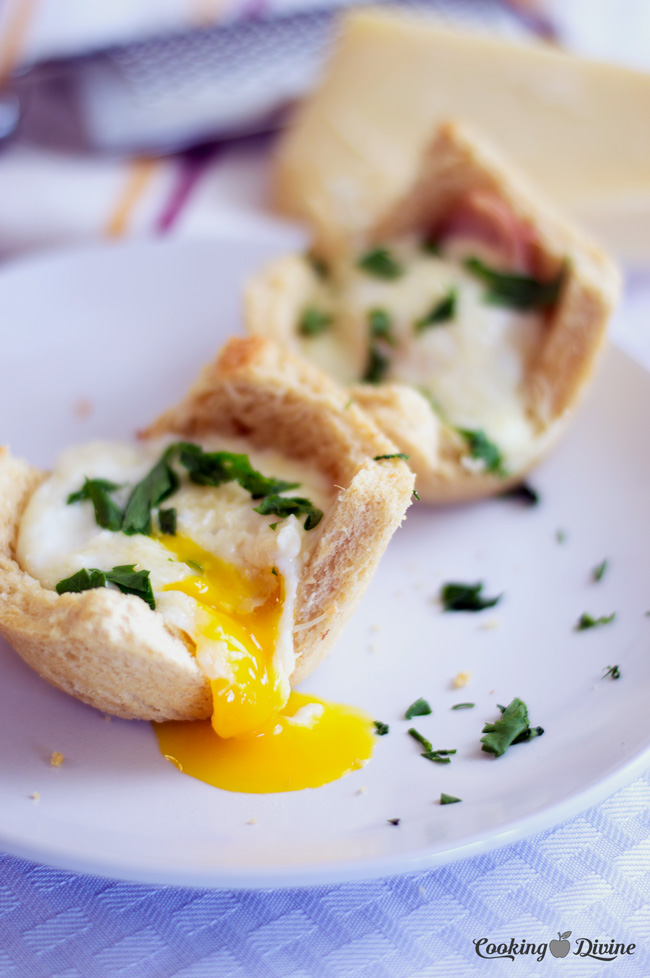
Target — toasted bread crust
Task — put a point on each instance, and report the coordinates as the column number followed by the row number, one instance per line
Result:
column 111, row 650
column 456, row 164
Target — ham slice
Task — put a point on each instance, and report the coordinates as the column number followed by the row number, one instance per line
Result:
column 480, row 216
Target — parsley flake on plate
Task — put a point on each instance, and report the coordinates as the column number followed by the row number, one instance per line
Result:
column 599, row 571
column 512, row 727
column 586, row 621
column 523, row 493
column 420, row 708
column 465, row 597
column 416, row 735
column 438, row 756
column 613, row 672
column 381, row 729
column 448, row 799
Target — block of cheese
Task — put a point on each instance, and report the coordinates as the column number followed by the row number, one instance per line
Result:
column 578, row 127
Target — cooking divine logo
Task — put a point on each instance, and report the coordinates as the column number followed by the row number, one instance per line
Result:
column 585, row 947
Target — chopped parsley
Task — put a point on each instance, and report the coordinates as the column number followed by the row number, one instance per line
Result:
column 418, row 709
column 204, row 469
column 416, row 735
column 158, row 484
column 416, row 495
column 284, row 506
column 464, row 706
column 83, row 580
column 393, row 821
column 586, row 621
column 516, row 291
column 380, row 458
column 381, row 728
column 313, row 322
column 274, row 571
column 599, row 571
column 377, row 365
column 523, row 493
column 380, row 263
column 108, row 514
column 442, row 312
column 192, row 564
column 480, row 447
column 124, row 577
column 560, row 536
column 613, row 672
column 448, row 799
column 380, row 325
column 216, row 468
column 130, row 581
column 512, row 727
column 466, row 597
column 167, row 518
column 438, row 756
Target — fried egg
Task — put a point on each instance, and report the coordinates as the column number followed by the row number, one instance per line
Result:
column 226, row 581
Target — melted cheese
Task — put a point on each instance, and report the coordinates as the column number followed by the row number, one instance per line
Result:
column 472, row 367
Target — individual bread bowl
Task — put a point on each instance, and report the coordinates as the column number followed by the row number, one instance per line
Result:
column 110, row 649
column 471, row 311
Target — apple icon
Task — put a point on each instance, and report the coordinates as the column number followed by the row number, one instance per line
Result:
column 560, row 949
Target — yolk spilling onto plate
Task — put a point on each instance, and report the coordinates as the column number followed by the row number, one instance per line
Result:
column 258, row 740
column 242, row 614
column 287, row 753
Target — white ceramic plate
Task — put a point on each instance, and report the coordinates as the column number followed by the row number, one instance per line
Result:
column 94, row 344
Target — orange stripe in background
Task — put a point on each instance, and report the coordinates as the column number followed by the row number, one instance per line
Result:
column 139, row 176
column 11, row 40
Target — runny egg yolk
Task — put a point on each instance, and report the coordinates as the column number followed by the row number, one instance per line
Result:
column 241, row 614
column 260, row 738
column 309, row 743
